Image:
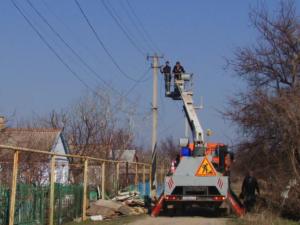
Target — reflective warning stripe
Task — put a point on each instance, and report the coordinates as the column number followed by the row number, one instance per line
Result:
column 170, row 183
column 220, row 183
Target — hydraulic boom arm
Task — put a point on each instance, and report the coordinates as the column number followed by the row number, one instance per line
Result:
column 190, row 112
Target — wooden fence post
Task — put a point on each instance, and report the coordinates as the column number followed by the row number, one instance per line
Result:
column 117, row 177
column 85, row 181
column 136, row 177
column 13, row 188
column 103, row 181
column 51, row 197
column 144, row 179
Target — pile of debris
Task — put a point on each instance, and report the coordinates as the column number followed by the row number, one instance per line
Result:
column 126, row 203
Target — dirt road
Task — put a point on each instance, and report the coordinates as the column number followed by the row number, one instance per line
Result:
column 180, row 221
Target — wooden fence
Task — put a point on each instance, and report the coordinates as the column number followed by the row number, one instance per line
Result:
column 145, row 170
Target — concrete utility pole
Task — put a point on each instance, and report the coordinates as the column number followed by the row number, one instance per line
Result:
column 155, row 66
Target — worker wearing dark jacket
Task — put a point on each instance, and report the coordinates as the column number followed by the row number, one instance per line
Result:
column 166, row 70
column 178, row 70
column 250, row 185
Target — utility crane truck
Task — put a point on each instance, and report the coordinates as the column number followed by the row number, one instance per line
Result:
column 202, row 175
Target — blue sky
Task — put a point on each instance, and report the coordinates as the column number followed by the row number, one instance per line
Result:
column 200, row 34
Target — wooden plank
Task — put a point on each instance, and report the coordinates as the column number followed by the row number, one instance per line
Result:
column 13, row 148
column 51, row 197
column 13, row 188
column 103, row 181
column 85, row 181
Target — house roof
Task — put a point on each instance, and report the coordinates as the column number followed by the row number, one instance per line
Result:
column 36, row 138
column 128, row 155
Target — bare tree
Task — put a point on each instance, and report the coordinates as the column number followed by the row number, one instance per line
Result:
column 167, row 151
column 268, row 112
column 94, row 125
column 274, row 60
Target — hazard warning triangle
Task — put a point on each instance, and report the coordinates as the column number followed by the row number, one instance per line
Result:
column 205, row 169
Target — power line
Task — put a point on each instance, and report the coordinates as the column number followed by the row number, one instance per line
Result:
column 65, row 43
column 49, row 46
column 122, row 27
column 138, row 29
column 57, row 54
column 61, row 21
column 97, row 75
column 103, row 45
column 71, row 49
column 142, row 78
column 142, row 26
column 115, row 11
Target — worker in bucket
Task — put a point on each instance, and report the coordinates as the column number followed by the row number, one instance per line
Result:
column 178, row 70
column 250, row 185
column 166, row 70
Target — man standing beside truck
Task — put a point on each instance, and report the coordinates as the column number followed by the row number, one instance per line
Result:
column 250, row 185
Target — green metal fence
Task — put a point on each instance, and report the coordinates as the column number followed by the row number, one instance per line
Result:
column 32, row 201
column 68, row 203
column 4, row 204
column 57, row 203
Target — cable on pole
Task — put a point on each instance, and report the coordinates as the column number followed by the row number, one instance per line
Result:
column 43, row 39
column 137, row 28
column 102, row 44
column 142, row 26
column 122, row 28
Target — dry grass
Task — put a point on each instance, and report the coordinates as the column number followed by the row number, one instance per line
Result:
column 263, row 218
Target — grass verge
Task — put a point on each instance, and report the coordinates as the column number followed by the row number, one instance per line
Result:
column 264, row 218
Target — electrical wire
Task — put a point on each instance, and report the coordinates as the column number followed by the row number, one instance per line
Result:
column 141, row 78
column 115, row 11
column 98, row 76
column 74, row 35
column 66, row 43
column 43, row 39
column 102, row 44
column 49, row 46
column 122, row 28
column 142, row 26
column 137, row 28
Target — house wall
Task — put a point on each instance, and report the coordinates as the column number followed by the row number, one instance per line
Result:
column 62, row 163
